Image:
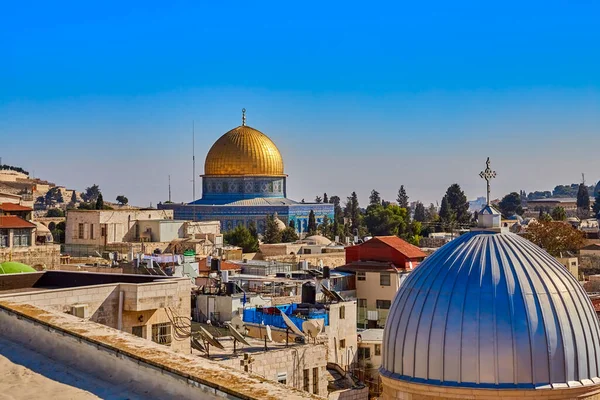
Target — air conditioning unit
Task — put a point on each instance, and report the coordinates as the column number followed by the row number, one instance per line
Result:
column 80, row 310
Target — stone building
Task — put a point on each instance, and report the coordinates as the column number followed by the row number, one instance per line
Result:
column 146, row 306
column 379, row 265
column 137, row 230
column 243, row 182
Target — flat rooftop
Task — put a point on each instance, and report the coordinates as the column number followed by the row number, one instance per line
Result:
column 107, row 354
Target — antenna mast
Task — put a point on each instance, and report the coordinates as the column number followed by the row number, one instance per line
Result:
column 169, row 188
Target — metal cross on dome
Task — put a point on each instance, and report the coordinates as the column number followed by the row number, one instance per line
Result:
column 488, row 175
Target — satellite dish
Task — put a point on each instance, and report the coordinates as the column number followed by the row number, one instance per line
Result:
column 210, row 339
column 237, row 323
column 269, row 335
column 311, row 328
column 291, row 325
column 236, row 335
column 197, row 345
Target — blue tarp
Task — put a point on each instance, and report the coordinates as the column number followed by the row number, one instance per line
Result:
column 257, row 317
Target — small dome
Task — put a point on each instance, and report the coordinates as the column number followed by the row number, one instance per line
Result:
column 12, row 267
column 317, row 239
column 492, row 310
column 280, row 224
column 244, row 151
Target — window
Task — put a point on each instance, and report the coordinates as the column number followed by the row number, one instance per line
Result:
column 362, row 303
column 377, row 349
column 342, row 343
column 282, row 377
column 80, row 231
column 361, row 276
column 91, row 231
column 364, row 353
column 103, row 231
column 161, row 333
column 342, row 312
column 3, row 237
column 384, row 279
column 316, row 380
column 306, row 380
column 21, row 237
column 138, row 331
column 384, row 304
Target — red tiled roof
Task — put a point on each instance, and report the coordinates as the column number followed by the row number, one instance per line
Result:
column 14, row 222
column 225, row 265
column 13, row 207
column 409, row 250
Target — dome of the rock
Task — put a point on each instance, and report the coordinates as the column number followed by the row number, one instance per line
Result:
column 244, row 151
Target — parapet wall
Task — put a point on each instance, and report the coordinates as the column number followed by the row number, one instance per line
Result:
column 124, row 359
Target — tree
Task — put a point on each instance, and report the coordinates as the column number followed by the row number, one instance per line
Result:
column 53, row 196
column 555, row 237
column 252, row 229
column 91, row 193
column 338, row 217
column 325, row 228
column 385, row 221
column 99, row 202
column 325, row 198
column 292, row 224
column 318, row 199
column 511, row 205
column 458, row 204
column 374, row 198
column 122, row 200
column 73, row 198
column 87, row 206
column 312, row 223
column 55, row 213
column 241, row 237
column 597, row 189
column 431, row 214
column 353, row 212
column 419, row 212
column 559, row 214
column 596, row 207
column 289, row 235
column 402, row 197
column 58, row 233
column 447, row 215
column 272, row 233
column 583, row 201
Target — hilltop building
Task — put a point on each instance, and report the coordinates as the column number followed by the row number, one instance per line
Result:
column 243, row 182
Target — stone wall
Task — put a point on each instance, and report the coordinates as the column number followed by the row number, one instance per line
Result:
column 293, row 361
column 330, row 259
column 48, row 255
column 400, row 390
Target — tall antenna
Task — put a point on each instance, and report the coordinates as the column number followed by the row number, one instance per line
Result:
column 169, row 188
column 583, row 178
column 193, row 160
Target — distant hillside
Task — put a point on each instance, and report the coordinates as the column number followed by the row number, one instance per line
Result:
column 562, row 191
column 13, row 168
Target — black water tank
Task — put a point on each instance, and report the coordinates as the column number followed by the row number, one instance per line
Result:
column 215, row 264
column 326, row 272
column 309, row 293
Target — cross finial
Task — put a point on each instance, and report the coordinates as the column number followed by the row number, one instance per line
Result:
column 488, row 175
column 243, row 117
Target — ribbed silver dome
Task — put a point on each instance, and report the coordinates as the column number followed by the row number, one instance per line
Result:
column 492, row 310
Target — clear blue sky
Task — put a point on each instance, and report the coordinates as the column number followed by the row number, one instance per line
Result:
column 356, row 95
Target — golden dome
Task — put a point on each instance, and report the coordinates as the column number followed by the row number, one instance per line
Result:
column 244, row 151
